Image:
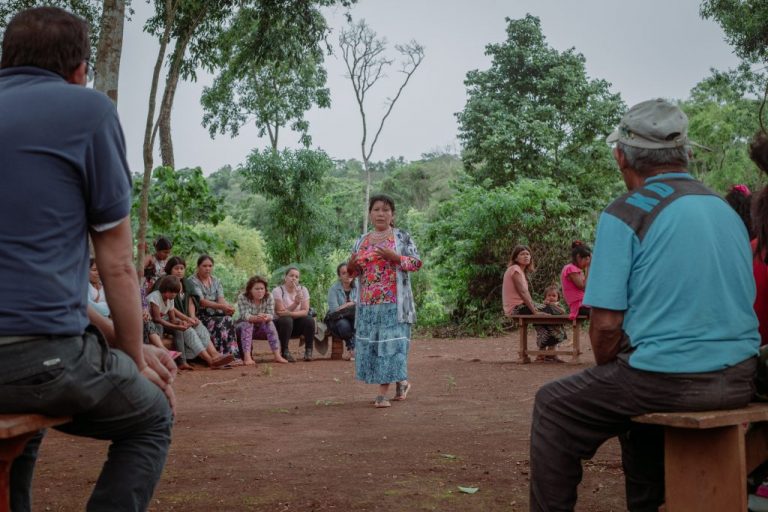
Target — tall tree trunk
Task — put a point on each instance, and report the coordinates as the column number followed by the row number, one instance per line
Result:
column 171, row 84
column 150, row 130
column 110, row 48
column 367, row 194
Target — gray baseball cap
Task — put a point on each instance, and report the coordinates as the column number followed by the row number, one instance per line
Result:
column 652, row 124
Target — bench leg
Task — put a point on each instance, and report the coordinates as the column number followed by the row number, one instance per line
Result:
column 10, row 448
column 576, row 341
column 705, row 470
column 523, row 350
column 337, row 348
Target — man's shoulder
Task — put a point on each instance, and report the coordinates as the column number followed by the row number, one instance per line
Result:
column 639, row 208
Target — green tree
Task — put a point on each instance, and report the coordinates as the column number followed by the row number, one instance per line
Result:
column 534, row 113
column 745, row 23
column 271, row 94
column 179, row 202
column 722, row 114
column 472, row 236
column 293, row 183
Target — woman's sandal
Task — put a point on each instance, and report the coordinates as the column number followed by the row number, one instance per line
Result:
column 401, row 391
column 381, row 402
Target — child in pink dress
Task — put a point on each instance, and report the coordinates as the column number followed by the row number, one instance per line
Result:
column 573, row 278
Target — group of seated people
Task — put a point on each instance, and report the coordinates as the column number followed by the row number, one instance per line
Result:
column 517, row 300
column 194, row 312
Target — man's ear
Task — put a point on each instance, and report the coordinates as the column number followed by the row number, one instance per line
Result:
column 79, row 75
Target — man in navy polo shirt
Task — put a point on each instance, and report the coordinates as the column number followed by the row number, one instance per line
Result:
column 672, row 325
column 64, row 176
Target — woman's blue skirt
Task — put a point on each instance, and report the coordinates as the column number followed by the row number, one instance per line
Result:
column 381, row 345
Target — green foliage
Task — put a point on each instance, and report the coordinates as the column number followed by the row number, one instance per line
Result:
column 272, row 95
column 722, row 111
column 251, row 255
column 536, row 114
column 470, row 241
column 293, row 181
column 90, row 10
column 745, row 23
column 424, row 182
column 178, row 201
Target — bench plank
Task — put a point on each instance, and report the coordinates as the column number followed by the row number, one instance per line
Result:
column 754, row 412
column 12, row 425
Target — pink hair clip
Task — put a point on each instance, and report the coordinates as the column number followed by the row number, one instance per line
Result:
column 742, row 188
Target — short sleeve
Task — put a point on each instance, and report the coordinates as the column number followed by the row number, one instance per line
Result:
column 305, row 291
column 156, row 299
column 108, row 174
column 609, row 272
column 219, row 289
column 277, row 294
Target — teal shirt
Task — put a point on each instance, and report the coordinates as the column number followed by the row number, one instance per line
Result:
column 676, row 259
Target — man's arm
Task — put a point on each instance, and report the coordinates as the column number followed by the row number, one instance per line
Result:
column 114, row 259
column 605, row 333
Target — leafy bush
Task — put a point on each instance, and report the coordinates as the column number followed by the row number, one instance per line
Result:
column 472, row 236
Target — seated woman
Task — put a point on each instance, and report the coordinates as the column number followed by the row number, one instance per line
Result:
column 255, row 313
column 292, row 308
column 340, row 319
column 516, row 299
column 96, row 297
column 165, row 317
column 154, row 264
column 215, row 312
column 573, row 279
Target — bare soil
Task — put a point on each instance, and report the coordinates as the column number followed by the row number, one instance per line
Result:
column 305, row 437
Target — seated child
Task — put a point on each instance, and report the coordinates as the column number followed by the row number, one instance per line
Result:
column 548, row 336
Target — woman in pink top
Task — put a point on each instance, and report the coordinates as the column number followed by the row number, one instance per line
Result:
column 574, row 278
column 515, row 297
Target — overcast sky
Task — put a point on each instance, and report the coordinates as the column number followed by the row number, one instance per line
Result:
column 654, row 48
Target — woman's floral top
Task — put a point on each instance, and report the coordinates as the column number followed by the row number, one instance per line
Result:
column 378, row 279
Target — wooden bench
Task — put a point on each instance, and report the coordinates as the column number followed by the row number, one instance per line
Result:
column 708, row 455
column 526, row 320
column 337, row 344
column 15, row 431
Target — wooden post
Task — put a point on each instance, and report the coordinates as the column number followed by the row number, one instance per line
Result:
column 693, row 482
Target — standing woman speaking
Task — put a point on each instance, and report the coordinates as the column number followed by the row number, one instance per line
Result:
column 381, row 259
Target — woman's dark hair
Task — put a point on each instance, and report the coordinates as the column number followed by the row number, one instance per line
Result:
column 204, row 257
column 740, row 200
column 758, row 152
column 579, row 250
column 338, row 268
column 163, row 244
column 91, row 261
column 291, row 268
column 172, row 262
column 169, row 284
column 513, row 258
column 384, row 198
column 46, row 37
column 252, row 282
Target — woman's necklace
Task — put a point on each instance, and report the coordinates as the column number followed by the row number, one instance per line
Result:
column 379, row 236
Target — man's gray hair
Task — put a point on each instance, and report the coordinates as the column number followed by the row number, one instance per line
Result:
column 645, row 160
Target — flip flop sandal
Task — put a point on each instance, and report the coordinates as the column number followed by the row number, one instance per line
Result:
column 401, row 391
column 381, row 402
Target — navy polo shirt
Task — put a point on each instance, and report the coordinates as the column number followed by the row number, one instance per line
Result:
column 62, row 169
column 675, row 257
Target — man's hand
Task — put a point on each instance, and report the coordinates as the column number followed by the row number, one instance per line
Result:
column 161, row 371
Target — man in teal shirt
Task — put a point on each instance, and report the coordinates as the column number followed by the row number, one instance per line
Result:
column 672, row 324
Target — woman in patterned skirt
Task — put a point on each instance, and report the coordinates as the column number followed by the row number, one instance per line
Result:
column 215, row 312
column 381, row 260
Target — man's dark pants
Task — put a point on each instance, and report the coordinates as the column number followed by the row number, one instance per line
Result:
column 573, row 416
column 107, row 398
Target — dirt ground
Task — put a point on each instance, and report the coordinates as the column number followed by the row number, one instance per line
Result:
column 305, row 437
